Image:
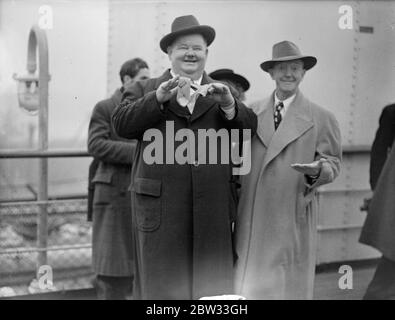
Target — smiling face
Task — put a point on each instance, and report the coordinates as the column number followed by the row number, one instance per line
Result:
column 188, row 55
column 288, row 75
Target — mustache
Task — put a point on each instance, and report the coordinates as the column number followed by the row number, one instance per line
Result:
column 190, row 57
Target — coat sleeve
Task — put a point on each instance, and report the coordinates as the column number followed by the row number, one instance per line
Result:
column 382, row 143
column 100, row 143
column 328, row 147
column 138, row 112
column 245, row 118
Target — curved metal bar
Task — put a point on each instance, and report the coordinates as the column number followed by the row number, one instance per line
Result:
column 38, row 43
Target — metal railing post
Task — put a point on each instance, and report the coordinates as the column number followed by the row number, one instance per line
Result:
column 38, row 42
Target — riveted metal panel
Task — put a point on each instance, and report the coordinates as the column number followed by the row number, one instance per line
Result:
column 354, row 77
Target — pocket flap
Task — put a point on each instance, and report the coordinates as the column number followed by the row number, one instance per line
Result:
column 103, row 177
column 149, row 187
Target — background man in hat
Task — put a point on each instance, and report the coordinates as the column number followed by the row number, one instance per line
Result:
column 296, row 149
column 236, row 82
column 379, row 226
column 112, row 259
column 182, row 212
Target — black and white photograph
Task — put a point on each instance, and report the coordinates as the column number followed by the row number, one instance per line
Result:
column 213, row 153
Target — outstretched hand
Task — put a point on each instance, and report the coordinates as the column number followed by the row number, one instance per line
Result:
column 309, row 169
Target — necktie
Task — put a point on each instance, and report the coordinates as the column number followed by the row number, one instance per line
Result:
column 277, row 115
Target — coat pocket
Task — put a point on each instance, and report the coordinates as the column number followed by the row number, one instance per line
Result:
column 303, row 203
column 147, row 203
column 301, row 208
column 103, row 189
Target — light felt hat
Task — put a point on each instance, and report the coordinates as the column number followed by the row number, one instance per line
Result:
column 287, row 51
column 186, row 25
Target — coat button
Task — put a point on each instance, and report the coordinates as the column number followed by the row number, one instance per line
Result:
column 196, row 163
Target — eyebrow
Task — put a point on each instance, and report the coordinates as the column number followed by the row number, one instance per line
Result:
column 187, row 45
column 292, row 64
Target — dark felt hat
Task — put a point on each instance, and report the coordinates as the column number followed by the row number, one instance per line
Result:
column 186, row 25
column 287, row 51
column 228, row 74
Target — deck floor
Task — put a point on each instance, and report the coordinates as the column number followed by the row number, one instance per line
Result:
column 326, row 287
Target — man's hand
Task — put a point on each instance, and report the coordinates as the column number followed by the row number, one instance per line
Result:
column 312, row 169
column 366, row 203
column 167, row 89
column 221, row 93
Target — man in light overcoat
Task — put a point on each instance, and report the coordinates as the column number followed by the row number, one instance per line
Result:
column 296, row 149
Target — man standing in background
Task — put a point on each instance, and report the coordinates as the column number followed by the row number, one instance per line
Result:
column 237, row 83
column 112, row 258
column 379, row 228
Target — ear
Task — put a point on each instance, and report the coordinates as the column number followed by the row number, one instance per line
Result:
column 271, row 73
column 303, row 73
column 169, row 51
column 127, row 79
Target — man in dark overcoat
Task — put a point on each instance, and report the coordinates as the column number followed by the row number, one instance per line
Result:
column 183, row 210
column 112, row 259
column 379, row 227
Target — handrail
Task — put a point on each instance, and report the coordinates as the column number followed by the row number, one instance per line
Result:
column 54, row 153
column 68, row 153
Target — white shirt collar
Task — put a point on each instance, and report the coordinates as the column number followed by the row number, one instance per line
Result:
column 198, row 81
column 286, row 102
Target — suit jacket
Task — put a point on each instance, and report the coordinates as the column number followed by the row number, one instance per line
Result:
column 183, row 212
column 277, row 213
column 111, row 208
column 382, row 143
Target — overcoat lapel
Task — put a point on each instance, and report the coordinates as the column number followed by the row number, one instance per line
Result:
column 116, row 98
column 265, row 128
column 296, row 122
column 164, row 77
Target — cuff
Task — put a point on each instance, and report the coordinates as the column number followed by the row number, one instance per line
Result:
column 326, row 175
column 230, row 112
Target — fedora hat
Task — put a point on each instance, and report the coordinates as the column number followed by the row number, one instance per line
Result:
column 186, row 25
column 228, row 74
column 287, row 51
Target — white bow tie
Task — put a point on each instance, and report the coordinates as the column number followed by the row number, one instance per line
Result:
column 188, row 94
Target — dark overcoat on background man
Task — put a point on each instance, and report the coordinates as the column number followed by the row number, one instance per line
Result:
column 112, row 218
column 379, row 227
column 382, row 143
column 182, row 212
